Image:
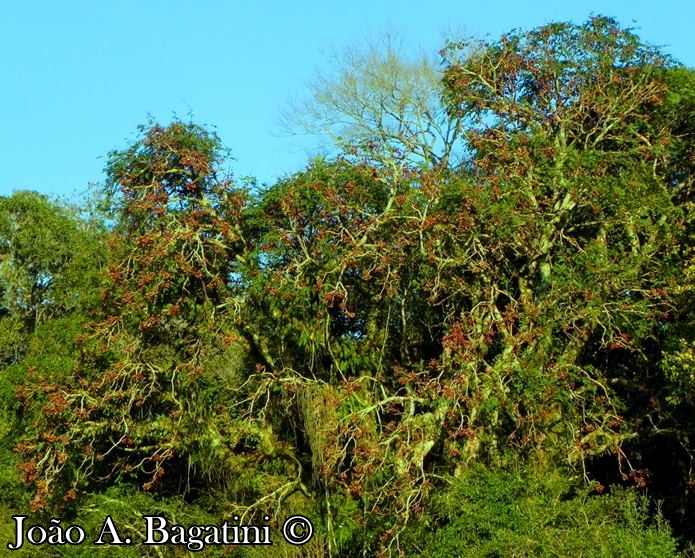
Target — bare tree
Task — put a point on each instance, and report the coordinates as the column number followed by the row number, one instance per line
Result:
column 381, row 102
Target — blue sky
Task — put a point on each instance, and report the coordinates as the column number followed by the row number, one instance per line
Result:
column 79, row 76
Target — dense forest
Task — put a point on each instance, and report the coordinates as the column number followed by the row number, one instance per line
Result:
column 468, row 332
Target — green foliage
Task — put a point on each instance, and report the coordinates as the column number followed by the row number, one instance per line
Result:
column 486, row 514
column 49, row 265
column 678, row 112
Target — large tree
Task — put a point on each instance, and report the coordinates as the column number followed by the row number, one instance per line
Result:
column 152, row 397
column 575, row 225
column 516, row 307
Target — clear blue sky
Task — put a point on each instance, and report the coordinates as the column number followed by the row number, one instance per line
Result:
column 79, row 76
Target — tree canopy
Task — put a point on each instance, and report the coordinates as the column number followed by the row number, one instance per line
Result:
column 424, row 355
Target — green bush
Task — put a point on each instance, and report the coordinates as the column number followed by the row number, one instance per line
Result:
column 510, row 514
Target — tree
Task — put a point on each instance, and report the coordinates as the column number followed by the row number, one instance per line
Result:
column 671, row 403
column 148, row 394
column 512, row 309
column 49, row 262
column 575, row 229
column 381, row 104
